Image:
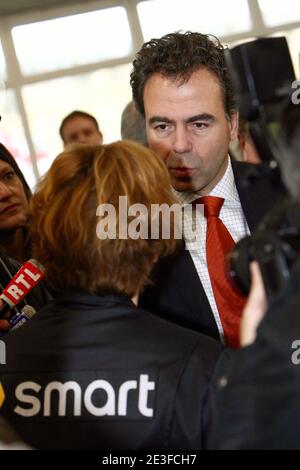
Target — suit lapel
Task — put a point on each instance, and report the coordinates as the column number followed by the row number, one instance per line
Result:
column 180, row 296
column 193, row 294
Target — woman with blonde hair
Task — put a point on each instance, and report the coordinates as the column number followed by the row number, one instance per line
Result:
column 94, row 370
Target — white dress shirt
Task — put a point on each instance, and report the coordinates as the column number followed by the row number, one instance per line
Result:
column 232, row 216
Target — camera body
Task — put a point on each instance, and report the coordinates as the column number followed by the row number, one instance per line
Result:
column 275, row 245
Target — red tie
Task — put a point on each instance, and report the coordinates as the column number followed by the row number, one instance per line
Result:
column 219, row 243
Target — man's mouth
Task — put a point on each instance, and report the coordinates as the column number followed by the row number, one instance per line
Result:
column 182, row 171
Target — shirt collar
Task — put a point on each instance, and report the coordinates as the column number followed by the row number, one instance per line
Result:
column 225, row 188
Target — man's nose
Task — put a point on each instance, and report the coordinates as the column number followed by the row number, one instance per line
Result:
column 182, row 142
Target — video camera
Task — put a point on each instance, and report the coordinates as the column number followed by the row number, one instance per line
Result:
column 263, row 84
column 275, row 245
column 262, row 74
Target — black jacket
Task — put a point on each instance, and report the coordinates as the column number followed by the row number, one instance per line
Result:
column 254, row 399
column 177, row 293
column 134, row 380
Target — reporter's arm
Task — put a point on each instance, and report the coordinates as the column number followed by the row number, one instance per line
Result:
column 255, row 308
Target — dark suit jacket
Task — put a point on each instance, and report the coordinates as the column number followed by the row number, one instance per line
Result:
column 177, row 293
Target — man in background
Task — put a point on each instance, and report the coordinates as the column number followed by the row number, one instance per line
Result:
column 133, row 124
column 80, row 127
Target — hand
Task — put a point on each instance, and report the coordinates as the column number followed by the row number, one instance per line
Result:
column 4, row 325
column 255, row 307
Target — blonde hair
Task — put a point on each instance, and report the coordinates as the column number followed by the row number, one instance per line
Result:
column 64, row 220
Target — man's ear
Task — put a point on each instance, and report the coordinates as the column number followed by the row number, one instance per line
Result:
column 234, row 125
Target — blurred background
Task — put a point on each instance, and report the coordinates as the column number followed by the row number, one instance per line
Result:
column 60, row 55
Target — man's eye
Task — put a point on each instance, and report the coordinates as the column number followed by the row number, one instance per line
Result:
column 200, row 125
column 161, row 127
column 9, row 175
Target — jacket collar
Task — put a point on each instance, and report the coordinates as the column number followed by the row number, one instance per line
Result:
column 80, row 298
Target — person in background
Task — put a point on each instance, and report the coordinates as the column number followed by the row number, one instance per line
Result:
column 243, row 148
column 15, row 240
column 14, row 199
column 133, row 125
column 80, row 127
column 248, row 149
column 181, row 85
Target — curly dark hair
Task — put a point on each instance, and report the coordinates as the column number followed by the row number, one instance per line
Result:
column 178, row 55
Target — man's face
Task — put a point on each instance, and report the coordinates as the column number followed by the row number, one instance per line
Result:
column 187, row 126
column 81, row 130
column 13, row 200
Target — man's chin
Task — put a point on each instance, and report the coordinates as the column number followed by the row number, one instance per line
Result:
column 183, row 184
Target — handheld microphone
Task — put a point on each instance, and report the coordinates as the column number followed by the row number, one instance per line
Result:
column 19, row 319
column 28, row 276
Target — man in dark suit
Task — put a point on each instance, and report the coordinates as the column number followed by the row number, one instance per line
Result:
column 181, row 85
